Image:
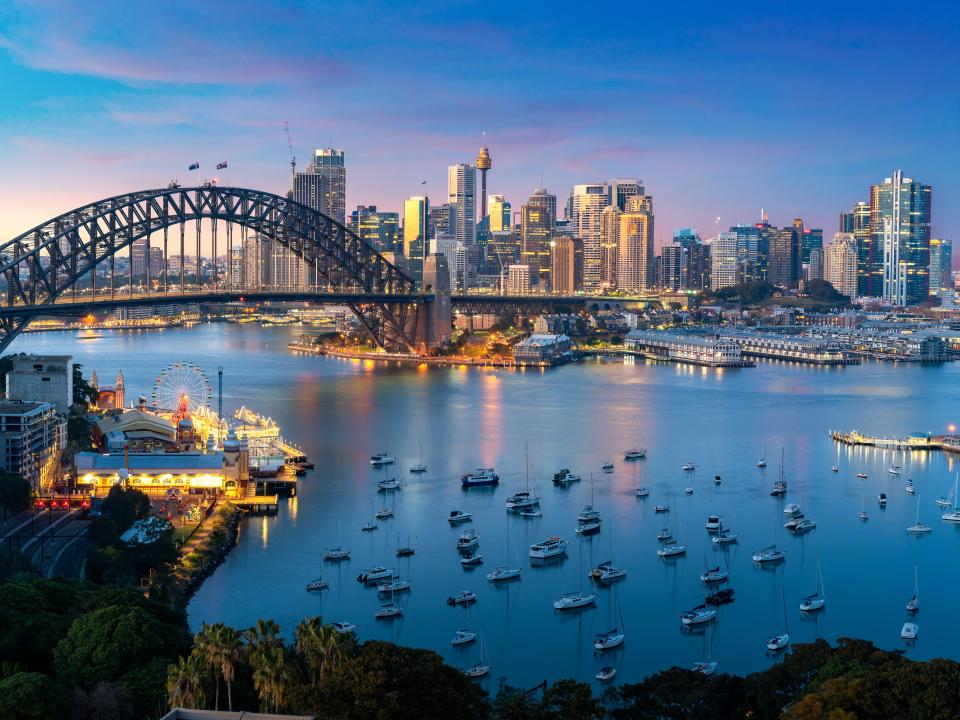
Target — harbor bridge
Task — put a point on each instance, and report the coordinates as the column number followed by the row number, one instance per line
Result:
column 68, row 264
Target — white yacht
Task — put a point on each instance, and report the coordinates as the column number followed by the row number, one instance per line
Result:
column 418, row 468
column 698, row 616
column 480, row 477
column 343, row 627
column 609, row 640
column 606, row 674
column 909, row 631
column 862, row 475
column 714, row 575
column 688, row 466
column 480, row 669
column 574, row 601
column 471, row 558
column 374, row 574
column 318, row 584
column 588, row 528
column 551, row 547
column 817, row 601
column 714, row 523
column 835, row 468
column 464, row 597
column 769, row 554
column 389, row 611
column 393, row 586
column 882, row 499
column 778, row 642
column 335, row 554
column 919, row 528
column 610, row 574
column 707, row 667
column 388, row 484
column 521, row 500
column 953, row 515
column 762, row 462
column 503, row 572
column 909, row 487
column 665, row 534
column 463, row 637
column 467, row 540
column 635, row 454
column 804, row 526
column 894, row 470
column 565, row 477
column 384, row 513
column 672, row 550
column 724, row 537
column 458, row 516
column 588, row 514
column 662, row 509
column 531, row 512
column 792, row 509
column 607, row 467
column 792, row 523
column 642, row 492
column 381, row 459
column 688, row 490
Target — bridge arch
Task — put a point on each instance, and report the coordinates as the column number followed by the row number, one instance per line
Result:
column 43, row 266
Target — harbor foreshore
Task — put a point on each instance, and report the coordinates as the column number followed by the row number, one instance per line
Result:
column 406, row 358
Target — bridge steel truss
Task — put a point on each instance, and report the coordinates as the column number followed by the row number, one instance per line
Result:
column 42, row 266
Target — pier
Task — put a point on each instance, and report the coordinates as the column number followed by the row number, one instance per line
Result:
column 706, row 350
column 914, row 441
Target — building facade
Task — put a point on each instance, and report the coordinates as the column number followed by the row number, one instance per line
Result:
column 323, row 186
column 900, row 224
column 724, row 263
column 635, row 259
column 537, row 220
column 841, row 262
column 566, row 264
column 42, row 378
column 499, row 212
column 941, row 265
column 32, row 436
column 462, row 196
column 416, row 211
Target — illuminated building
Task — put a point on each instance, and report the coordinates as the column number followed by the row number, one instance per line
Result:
column 484, row 163
column 609, row 246
column 518, row 279
column 323, row 186
column 381, row 230
column 32, row 436
column 566, row 264
column 462, row 196
column 900, row 224
column 783, row 261
column 586, row 206
column 416, row 211
column 498, row 210
column 724, row 263
column 840, row 264
column 941, row 265
column 635, row 259
column 537, row 220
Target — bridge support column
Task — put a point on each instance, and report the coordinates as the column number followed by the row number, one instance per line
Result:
column 434, row 320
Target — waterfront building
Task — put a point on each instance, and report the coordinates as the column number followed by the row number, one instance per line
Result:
column 556, row 324
column 541, row 349
column 416, row 211
column 518, row 279
column 462, row 196
column 941, row 265
column 41, row 378
column 585, row 208
column 323, row 185
column 380, row 230
column 794, row 348
column 32, row 436
column 635, row 260
column 841, row 263
column 566, row 264
column 498, row 210
column 537, row 219
column 708, row 350
column 724, row 262
column 900, row 224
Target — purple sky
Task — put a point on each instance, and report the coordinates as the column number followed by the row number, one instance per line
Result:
column 721, row 108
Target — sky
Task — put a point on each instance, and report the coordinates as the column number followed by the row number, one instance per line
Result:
column 721, row 108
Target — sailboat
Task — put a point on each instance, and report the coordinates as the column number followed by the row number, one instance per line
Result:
column 480, row 668
column 579, row 599
column 387, row 483
column 637, row 453
column 919, row 528
column 389, row 610
column 615, row 637
column 335, row 554
column 863, row 507
column 406, row 551
column 762, row 462
column 817, row 601
column 606, row 572
column 419, row 467
column 780, row 486
column 370, row 526
column 913, row 605
column 505, row 571
column 523, row 500
column 953, row 515
column 776, row 643
column 641, row 490
column 708, row 666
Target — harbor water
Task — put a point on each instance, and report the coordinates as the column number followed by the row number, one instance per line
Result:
column 578, row 417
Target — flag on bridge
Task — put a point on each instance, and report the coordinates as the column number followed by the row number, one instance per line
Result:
column 194, row 166
column 222, row 166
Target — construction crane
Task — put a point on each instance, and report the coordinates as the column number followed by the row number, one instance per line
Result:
column 293, row 160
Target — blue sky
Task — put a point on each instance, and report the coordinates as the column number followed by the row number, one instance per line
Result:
column 722, row 108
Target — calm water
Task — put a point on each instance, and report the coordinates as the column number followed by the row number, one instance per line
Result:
column 577, row 417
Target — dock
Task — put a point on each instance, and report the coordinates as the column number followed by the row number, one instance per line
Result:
column 258, row 504
column 914, row 441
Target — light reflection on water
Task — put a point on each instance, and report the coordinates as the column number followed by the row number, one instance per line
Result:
column 341, row 411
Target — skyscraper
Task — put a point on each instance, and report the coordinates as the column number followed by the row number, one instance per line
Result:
column 462, row 196
column 674, row 272
column 609, row 245
column 783, row 262
column 585, row 207
column 498, row 210
column 697, row 258
column 840, row 264
column 323, row 186
column 378, row 229
column 565, row 264
column 724, row 264
column 900, row 224
column 537, row 220
column 416, row 210
column 869, row 271
column 619, row 190
column 635, row 261
column 941, row 265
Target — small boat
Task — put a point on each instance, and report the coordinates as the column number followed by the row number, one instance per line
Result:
column 716, row 479
column 721, row 597
column 551, row 547
column 714, row 575
column 953, row 515
column 863, row 515
column 862, row 475
column 318, row 584
column 588, row 528
column 635, row 454
column 714, row 523
column 606, row 674
column 388, row 484
column 481, row 477
column 574, row 601
column 882, row 499
column 688, row 490
column 521, row 500
column 762, row 462
column 565, row 477
column 919, row 528
column 942, row 502
column 688, row 466
column 642, row 492
column 463, row 637
column 698, row 616
column 343, row 627
column 661, row 509
column 725, row 537
column 503, row 572
column 458, row 516
column 405, row 551
column 792, row 509
column 384, row 513
column 913, row 604
column 909, row 631
column 607, row 467
column 374, row 574
column 894, row 470
column 611, row 574
column 588, row 514
column 531, row 512
column 708, row 667
column 769, row 554
column 419, row 466
column 369, row 527
column 672, row 551
column 909, row 487
column 338, row 553
column 665, row 534
column 835, row 469
column 804, row 526
column 464, row 597
column 817, row 601
column 792, row 523
column 609, row 640
column 477, row 671
column 381, row 459
column 393, row 586
column 780, row 486
column 471, row 558
column 467, row 540
column 388, row 611
column 776, row 643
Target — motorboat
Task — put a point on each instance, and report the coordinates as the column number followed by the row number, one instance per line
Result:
column 882, row 499
column 792, row 509
column 564, row 477
column 606, row 674
column 521, row 500
column 588, row 528
column 894, row 470
column 642, row 492
column 588, row 514
column 804, row 526
column 909, row 631
column 909, row 487
column 707, row 667
column 384, row 513
column 609, row 640
column 792, row 523
column 418, row 468
column 714, row 523
column 574, row 601
column 464, row 597
column 481, row 477
column 470, row 559
column 778, row 642
column 318, row 584
column 672, row 551
column 335, row 554
column 662, row 509
column 369, row 527
column 714, row 575
column 551, row 547
column 381, row 459
column 531, row 512
column 393, row 586
column 611, row 574
column 688, row 490
column 463, row 637
column 688, row 466
column 388, row 484
column 716, row 480
column 721, row 597
column 835, row 469
column 343, row 627
column 698, row 616
column 665, row 534
column 388, row 611
column 725, row 537
column 374, row 574
column 503, row 572
column 769, row 554
column 607, row 467
column 458, row 516
column 635, row 454
column 862, row 475
column 467, row 540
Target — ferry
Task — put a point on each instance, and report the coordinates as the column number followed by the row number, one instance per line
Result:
column 479, row 478
column 549, row 548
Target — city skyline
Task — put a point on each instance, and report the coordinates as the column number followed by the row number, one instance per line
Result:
column 709, row 129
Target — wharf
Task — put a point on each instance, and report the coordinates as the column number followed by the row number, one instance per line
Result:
column 409, row 359
column 257, row 504
column 915, row 441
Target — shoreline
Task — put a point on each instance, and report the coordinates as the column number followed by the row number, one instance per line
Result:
column 406, row 359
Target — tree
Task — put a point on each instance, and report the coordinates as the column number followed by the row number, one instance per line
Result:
column 29, row 696
column 83, row 392
column 512, row 703
column 15, row 494
column 219, row 648
column 571, row 700
column 320, row 646
column 271, row 677
column 185, row 683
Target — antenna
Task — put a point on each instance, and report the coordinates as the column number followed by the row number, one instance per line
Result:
column 293, row 159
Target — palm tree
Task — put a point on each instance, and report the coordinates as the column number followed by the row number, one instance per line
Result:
column 219, row 648
column 320, row 646
column 270, row 677
column 185, row 683
column 262, row 636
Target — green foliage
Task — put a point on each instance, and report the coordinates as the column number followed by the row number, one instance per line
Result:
column 823, row 291
column 15, row 494
column 750, row 293
column 123, row 506
column 83, row 392
column 30, row 696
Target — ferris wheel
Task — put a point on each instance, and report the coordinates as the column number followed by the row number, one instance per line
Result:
column 181, row 388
